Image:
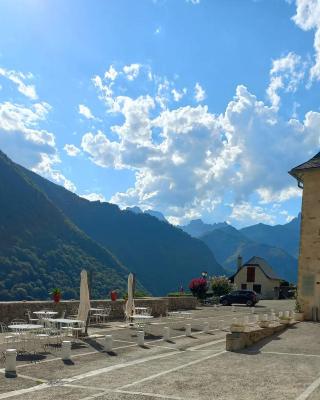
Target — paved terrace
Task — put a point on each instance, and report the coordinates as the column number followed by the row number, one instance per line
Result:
column 198, row 367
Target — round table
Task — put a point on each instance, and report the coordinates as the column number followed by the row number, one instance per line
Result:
column 65, row 321
column 180, row 314
column 45, row 314
column 24, row 327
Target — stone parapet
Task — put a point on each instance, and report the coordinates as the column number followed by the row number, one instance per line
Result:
column 159, row 306
column 182, row 303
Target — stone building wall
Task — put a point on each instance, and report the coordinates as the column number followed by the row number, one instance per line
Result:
column 309, row 256
column 267, row 285
column 159, row 306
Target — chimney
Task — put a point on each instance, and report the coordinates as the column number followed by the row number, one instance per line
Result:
column 239, row 262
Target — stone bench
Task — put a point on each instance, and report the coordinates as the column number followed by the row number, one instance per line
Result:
column 240, row 340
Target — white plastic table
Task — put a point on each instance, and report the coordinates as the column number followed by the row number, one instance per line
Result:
column 68, row 322
column 65, row 321
column 24, row 327
column 45, row 314
column 181, row 314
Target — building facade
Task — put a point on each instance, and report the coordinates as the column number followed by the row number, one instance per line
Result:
column 256, row 274
column 308, row 177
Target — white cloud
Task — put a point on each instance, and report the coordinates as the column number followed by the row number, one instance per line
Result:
column 94, row 197
column 200, row 93
column 288, row 217
column 111, row 74
column 245, row 212
column 19, row 79
column 177, row 96
column 132, row 71
column 71, row 150
column 25, row 142
column 163, row 93
column 307, row 17
column 194, row 2
column 85, row 111
column 19, row 135
column 286, row 74
column 196, row 157
column 46, row 168
column 103, row 152
column 268, row 196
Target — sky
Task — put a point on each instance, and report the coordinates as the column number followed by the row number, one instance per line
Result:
column 194, row 108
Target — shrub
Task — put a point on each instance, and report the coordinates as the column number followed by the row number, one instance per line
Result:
column 221, row 285
column 199, row 287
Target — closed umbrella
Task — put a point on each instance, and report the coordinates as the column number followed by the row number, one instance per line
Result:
column 84, row 306
column 130, row 301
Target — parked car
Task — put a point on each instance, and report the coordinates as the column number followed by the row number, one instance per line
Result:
column 248, row 297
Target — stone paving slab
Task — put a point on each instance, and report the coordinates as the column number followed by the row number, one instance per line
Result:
column 129, row 396
column 118, row 378
column 56, row 369
column 302, row 338
column 315, row 395
column 255, row 376
column 58, row 392
column 8, row 384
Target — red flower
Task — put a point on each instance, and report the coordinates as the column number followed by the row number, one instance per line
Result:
column 198, row 284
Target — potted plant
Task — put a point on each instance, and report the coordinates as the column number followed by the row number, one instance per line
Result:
column 56, row 295
column 298, row 316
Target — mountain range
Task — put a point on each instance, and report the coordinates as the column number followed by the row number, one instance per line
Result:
column 48, row 234
column 153, row 213
column 40, row 248
column 278, row 245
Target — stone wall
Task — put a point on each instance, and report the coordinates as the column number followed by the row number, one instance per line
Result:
column 182, row 303
column 159, row 306
column 309, row 258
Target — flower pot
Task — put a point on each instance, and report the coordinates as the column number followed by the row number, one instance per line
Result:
column 299, row 316
column 113, row 295
column 56, row 297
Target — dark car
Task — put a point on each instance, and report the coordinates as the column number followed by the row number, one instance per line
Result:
column 248, row 297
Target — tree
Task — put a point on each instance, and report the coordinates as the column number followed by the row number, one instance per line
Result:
column 199, row 287
column 221, row 285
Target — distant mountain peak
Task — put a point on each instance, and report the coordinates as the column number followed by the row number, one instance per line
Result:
column 156, row 214
column 135, row 209
column 197, row 227
column 153, row 213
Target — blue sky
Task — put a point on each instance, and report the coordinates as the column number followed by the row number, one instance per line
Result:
column 194, row 108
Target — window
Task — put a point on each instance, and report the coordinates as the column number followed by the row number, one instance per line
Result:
column 257, row 288
column 251, row 274
column 243, row 286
